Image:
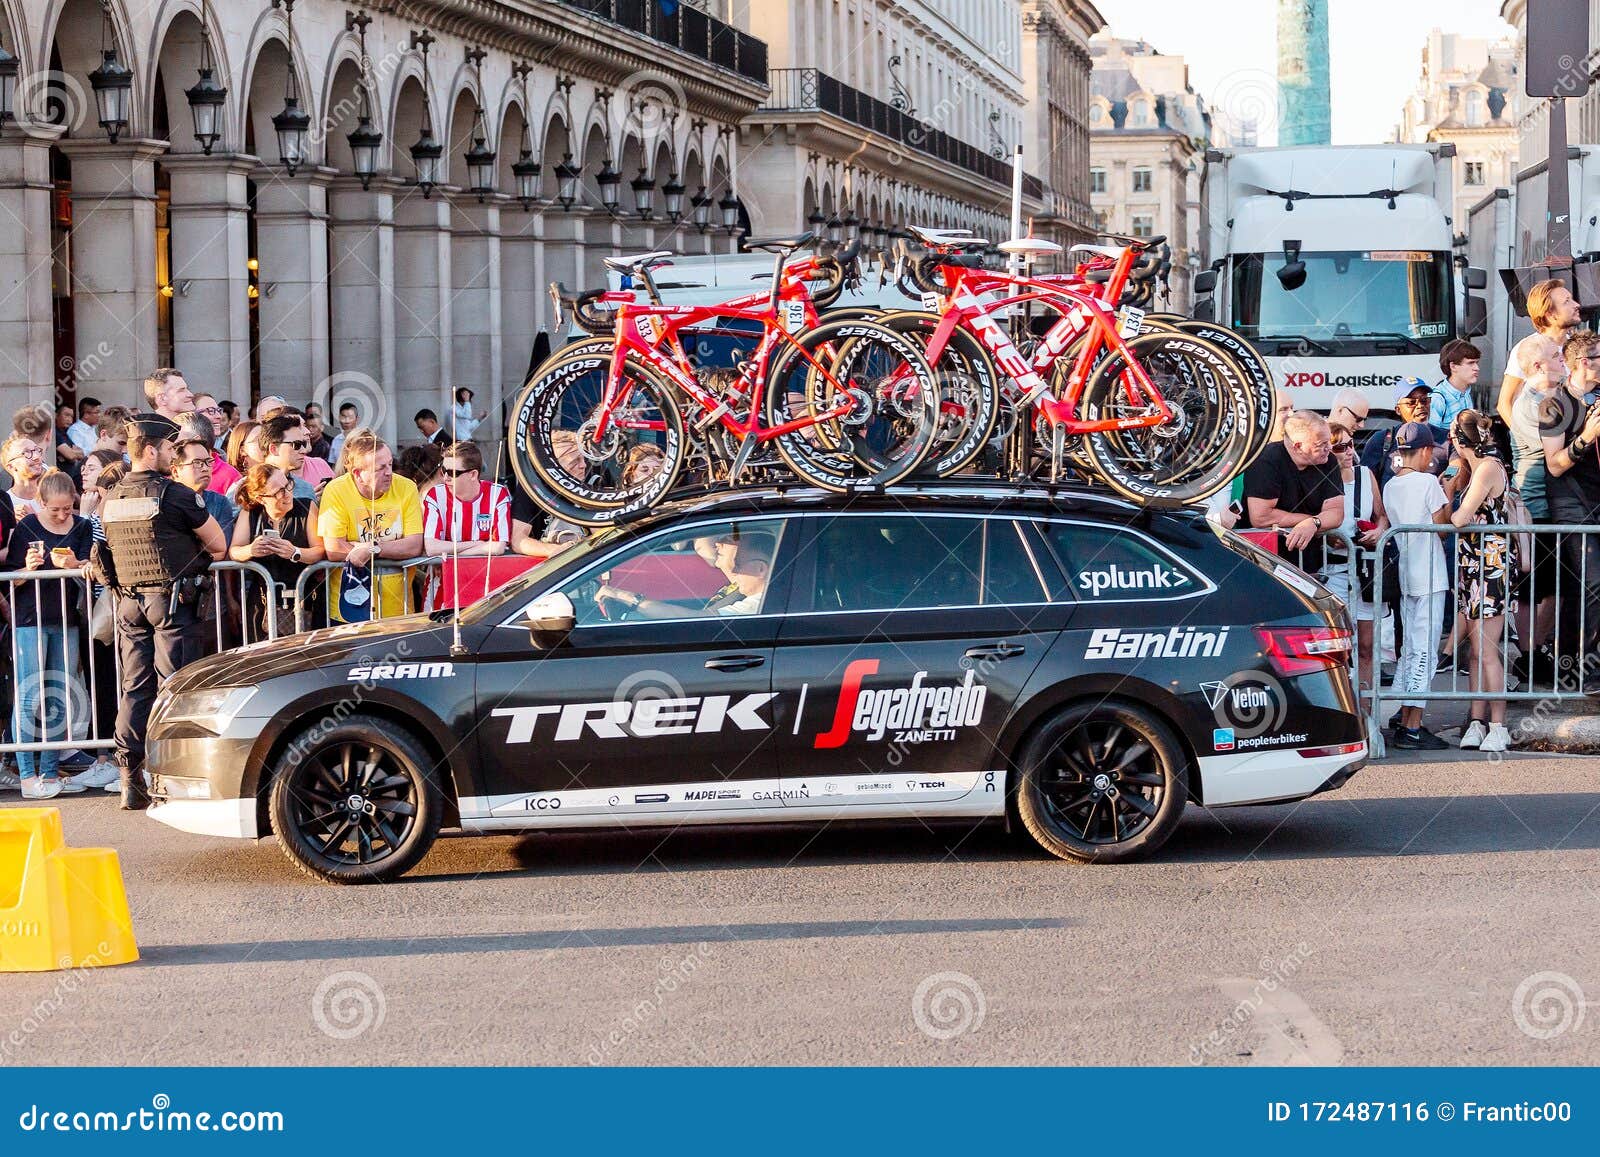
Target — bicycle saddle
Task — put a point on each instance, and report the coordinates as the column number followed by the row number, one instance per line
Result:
column 779, row 244
column 1029, row 245
column 639, row 261
column 945, row 236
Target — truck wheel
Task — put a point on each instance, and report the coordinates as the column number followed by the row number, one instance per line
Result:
column 360, row 805
column 1101, row 782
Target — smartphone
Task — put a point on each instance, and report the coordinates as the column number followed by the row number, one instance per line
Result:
column 268, row 532
column 1366, row 526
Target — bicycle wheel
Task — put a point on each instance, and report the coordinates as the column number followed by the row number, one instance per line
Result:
column 868, row 401
column 1255, row 408
column 1186, row 459
column 969, row 393
column 571, row 473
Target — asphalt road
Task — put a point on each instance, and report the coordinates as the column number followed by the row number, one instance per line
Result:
column 1428, row 913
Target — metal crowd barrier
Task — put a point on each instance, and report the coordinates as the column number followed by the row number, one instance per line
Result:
column 1568, row 585
column 70, row 705
column 408, row 569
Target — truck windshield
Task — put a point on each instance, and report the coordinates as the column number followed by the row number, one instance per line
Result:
column 1352, row 301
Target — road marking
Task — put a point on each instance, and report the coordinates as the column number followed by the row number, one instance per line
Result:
column 1291, row 1033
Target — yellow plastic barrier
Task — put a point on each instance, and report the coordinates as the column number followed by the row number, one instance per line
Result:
column 60, row 907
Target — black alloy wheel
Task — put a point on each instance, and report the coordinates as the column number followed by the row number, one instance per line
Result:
column 1102, row 782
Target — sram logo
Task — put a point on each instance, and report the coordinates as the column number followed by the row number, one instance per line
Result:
column 1120, row 578
column 645, row 719
column 377, row 671
column 877, row 711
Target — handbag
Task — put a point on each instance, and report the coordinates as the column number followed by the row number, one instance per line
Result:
column 103, row 619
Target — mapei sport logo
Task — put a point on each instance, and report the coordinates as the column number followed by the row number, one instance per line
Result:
column 1318, row 379
column 376, row 672
column 915, row 713
column 644, row 719
column 1121, row 578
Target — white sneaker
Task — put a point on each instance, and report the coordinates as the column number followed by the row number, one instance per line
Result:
column 37, row 787
column 101, row 773
column 1472, row 736
column 1498, row 738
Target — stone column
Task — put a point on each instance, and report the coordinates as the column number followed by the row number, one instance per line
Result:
column 361, row 289
column 477, row 348
column 113, row 265
column 524, row 302
column 292, row 311
column 564, row 245
column 210, row 225
column 28, row 370
column 423, row 311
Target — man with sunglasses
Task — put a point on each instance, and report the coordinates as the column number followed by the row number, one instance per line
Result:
column 465, row 515
column 223, row 475
column 287, row 441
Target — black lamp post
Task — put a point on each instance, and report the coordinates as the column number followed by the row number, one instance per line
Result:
column 567, row 175
column 610, row 182
column 644, row 195
column 113, row 86
column 672, row 195
column 852, row 227
column 730, row 212
column 427, row 154
column 701, row 204
column 292, row 124
column 206, row 98
column 835, row 229
column 525, row 170
column 365, row 141
column 480, row 157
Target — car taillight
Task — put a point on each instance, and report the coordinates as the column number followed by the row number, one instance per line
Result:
column 1301, row 650
column 1340, row 749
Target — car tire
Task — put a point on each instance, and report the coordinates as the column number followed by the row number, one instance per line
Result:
column 1074, row 813
column 359, row 804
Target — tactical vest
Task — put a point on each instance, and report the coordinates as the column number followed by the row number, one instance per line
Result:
column 145, row 549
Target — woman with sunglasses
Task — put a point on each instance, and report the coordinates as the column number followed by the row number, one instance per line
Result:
column 278, row 531
column 1364, row 521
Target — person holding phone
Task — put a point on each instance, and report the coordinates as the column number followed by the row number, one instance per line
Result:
column 277, row 530
column 1364, row 521
column 49, row 614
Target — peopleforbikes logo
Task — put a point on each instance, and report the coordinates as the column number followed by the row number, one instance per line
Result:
column 160, row 1117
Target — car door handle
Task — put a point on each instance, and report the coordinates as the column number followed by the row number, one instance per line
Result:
column 996, row 651
column 735, row 662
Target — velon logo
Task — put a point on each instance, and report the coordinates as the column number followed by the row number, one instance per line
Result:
column 1119, row 578
column 644, row 719
column 911, row 708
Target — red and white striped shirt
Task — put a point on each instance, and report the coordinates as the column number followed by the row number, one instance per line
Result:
column 485, row 517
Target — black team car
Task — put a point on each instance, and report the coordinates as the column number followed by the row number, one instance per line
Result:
column 1056, row 659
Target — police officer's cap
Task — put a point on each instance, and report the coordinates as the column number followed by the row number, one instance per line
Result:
column 153, row 427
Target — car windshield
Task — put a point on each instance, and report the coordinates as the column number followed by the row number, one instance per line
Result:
column 1351, row 302
column 491, row 609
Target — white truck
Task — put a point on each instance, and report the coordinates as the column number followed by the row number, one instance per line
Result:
column 1492, row 245
column 1336, row 262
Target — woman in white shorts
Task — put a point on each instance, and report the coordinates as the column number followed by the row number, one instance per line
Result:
column 1364, row 521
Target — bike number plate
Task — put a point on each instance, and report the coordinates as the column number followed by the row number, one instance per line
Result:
column 794, row 316
column 1132, row 322
column 930, row 302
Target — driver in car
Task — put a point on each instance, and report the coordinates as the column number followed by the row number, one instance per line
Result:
column 749, row 563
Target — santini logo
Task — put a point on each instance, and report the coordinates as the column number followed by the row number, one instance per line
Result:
column 644, row 719
column 901, row 709
column 402, row 671
column 1176, row 643
column 1117, row 578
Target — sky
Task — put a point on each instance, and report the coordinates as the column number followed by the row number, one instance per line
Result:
column 1374, row 52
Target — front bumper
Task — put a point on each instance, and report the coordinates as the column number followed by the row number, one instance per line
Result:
column 217, row 761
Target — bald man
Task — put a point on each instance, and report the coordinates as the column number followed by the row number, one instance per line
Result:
column 1349, row 409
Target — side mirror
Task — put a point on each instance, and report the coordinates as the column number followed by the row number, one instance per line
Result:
column 1477, row 278
column 1476, row 323
column 1293, row 275
column 1205, row 281
column 551, row 619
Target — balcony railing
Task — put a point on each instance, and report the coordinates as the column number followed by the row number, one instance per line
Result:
column 811, row 90
column 689, row 29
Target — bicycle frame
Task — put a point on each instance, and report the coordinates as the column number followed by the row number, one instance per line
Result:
column 975, row 295
column 652, row 334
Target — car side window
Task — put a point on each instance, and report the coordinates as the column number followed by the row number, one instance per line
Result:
column 717, row 569
column 1114, row 564
column 914, row 562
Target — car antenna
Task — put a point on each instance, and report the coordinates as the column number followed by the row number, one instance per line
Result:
column 458, row 650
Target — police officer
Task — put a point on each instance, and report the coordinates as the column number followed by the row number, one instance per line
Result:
column 160, row 541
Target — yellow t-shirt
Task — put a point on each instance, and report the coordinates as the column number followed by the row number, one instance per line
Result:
column 347, row 514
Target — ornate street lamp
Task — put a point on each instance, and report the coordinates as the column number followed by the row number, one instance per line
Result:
column 526, row 168
column 9, row 67
column 365, row 141
column 610, row 182
column 701, row 204
column 112, row 81
column 672, row 194
column 644, row 195
column 292, row 124
column 835, row 229
column 480, row 157
column 852, row 227
column 730, row 212
column 567, row 175
column 427, row 154
column 206, row 98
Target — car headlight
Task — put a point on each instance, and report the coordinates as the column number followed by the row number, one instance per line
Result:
column 182, row 787
column 213, row 708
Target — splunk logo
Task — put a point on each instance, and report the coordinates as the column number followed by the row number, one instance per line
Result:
column 1153, row 578
column 919, row 707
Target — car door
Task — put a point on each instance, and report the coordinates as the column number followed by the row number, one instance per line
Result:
column 908, row 641
column 633, row 717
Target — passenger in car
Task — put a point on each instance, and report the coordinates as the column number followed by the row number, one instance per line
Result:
column 748, row 571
